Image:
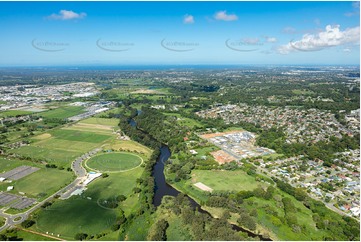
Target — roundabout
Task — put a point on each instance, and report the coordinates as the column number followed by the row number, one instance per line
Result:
column 113, row 162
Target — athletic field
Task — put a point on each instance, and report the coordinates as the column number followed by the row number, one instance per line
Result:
column 115, row 161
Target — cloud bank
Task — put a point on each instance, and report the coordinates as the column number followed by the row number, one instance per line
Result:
column 332, row 36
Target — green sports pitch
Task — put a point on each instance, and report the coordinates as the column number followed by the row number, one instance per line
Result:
column 113, row 162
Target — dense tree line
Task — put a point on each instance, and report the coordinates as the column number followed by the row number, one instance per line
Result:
column 203, row 226
column 159, row 234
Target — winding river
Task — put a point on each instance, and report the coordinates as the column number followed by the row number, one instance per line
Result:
column 162, row 188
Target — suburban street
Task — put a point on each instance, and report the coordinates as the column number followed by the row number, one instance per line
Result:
column 260, row 169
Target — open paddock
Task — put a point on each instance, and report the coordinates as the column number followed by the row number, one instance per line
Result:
column 13, row 113
column 129, row 145
column 225, row 180
column 79, row 136
column 110, row 122
column 48, row 154
column 62, row 112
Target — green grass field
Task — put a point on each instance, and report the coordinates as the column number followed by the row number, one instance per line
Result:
column 2, row 221
column 11, row 113
column 63, row 146
column 117, row 184
column 27, row 236
column 62, row 112
column 62, row 157
column 43, row 183
column 66, row 145
column 79, row 214
column 79, row 136
column 281, row 230
column 138, row 230
column 225, row 180
column 128, row 145
column 176, row 230
column 75, row 215
column 185, row 121
column 205, row 150
column 9, row 164
column 102, row 121
column 116, row 161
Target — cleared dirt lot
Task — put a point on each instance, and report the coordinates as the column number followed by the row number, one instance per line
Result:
column 208, row 136
column 203, row 187
column 222, row 157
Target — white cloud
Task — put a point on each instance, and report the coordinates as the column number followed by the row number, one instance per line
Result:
column 188, row 19
column 222, row 15
column 332, row 36
column 67, row 15
column 271, row 39
column 347, row 50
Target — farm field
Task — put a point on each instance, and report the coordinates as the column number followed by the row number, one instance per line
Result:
column 62, row 112
column 225, row 180
column 113, row 162
column 11, row 113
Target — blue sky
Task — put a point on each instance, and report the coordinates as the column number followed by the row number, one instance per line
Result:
column 132, row 33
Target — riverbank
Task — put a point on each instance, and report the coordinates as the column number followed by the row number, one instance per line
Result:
column 263, row 235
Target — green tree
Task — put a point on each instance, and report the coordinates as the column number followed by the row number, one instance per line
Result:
column 80, row 236
column 27, row 223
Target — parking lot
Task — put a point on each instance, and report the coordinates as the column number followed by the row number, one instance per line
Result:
column 15, row 201
column 19, row 172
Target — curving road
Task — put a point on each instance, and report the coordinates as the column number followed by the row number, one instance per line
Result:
column 64, row 193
